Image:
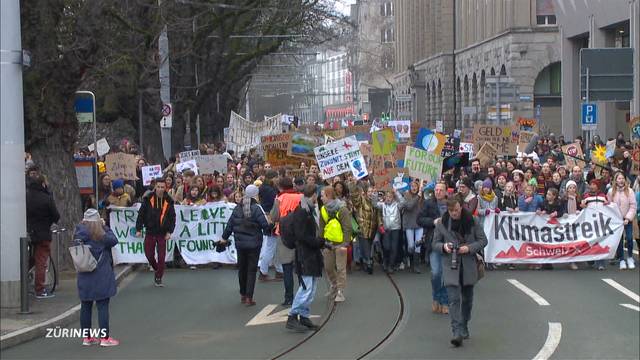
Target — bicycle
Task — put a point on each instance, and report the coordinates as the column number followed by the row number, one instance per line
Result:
column 50, row 273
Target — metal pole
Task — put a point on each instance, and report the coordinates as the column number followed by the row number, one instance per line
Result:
column 24, row 276
column 140, row 143
column 590, row 131
column 95, row 146
column 498, row 106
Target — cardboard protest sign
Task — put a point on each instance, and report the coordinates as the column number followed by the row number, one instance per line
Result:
column 430, row 141
column 303, row 144
column 121, row 166
column 151, row 172
column 524, row 139
column 635, row 159
column 361, row 132
column 279, row 158
column 279, row 142
column 208, row 164
column 189, row 155
column 572, row 155
column 383, row 142
column 634, row 129
column 503, row 138
column 103, row 146
column 341, row 156
column 422, row 164
column 402, row 128
column 392, row 179
column 487, row 154
column 187, row 165
column 380, row 170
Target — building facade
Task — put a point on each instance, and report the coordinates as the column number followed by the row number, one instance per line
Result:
column 514, row 43
column 596, row 24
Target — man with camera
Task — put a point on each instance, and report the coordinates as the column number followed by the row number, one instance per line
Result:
column 458, row 237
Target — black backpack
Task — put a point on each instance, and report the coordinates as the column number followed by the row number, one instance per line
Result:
column 286, row 230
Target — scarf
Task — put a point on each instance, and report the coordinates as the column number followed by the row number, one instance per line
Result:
column 488, row 197
column 572, row 204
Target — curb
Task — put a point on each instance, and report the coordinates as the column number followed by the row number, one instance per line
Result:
column 39, row 330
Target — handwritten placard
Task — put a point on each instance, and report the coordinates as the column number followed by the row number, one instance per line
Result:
column 121, row 166
column 151, row 172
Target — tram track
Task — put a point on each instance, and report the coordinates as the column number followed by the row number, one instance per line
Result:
column 369, row 351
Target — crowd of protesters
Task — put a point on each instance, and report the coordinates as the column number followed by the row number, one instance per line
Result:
column 359, row 224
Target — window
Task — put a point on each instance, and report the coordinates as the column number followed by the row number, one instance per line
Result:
column 387, row 61
column 386, row 9
column 546, row 20
column 386, row 35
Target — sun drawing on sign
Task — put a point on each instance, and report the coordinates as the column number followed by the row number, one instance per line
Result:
column 599, row 154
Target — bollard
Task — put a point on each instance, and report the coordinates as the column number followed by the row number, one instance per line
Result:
column 24, row 276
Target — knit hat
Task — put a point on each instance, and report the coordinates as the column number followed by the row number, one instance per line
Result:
column 570, row 182
column 91, row 215
column 487, row 183
column 518, row 171
column 251, row 191
column 117, row 184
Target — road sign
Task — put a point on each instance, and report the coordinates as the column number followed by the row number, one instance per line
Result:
column 167, row 109
column 589, row 116
column 403, row 98
column 607, row 74
column 166, row 122
column 85, row 112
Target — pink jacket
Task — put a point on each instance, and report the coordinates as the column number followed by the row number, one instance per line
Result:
column 626, row 202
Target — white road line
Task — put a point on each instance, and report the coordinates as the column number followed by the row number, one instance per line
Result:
column 550, row 345
column 632, row 307
column 532, row 294
column 622, row 289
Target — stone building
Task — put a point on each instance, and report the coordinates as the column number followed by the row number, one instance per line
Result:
column 516, row 40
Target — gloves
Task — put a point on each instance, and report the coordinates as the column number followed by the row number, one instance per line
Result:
column 487, row 212
column 497, row 210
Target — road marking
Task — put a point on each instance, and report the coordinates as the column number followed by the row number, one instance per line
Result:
column 622, row 289
column 632, row 307
column 550, row 345
column 267, row 316
column 532, row 294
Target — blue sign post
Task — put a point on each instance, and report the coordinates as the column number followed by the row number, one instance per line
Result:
column 589, row 116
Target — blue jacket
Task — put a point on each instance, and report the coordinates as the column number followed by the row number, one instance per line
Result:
column 100, row 283
column 534, row 205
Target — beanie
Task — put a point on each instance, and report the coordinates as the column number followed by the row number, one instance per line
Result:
column 117, row 184
column 487, row 183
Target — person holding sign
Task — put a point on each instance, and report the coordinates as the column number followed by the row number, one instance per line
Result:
column 158, row 217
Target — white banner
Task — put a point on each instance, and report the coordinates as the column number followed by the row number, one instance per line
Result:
column 244, row 134
column 130, row 249
column 339, row 157
column 521, row 238
column 189, row 155
column 197, row 230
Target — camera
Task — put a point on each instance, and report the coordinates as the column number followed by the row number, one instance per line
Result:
column 454, row 256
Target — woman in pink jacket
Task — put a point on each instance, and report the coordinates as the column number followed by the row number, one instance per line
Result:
column 621, row 194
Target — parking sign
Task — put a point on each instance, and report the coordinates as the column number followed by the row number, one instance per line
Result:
column 589, row 116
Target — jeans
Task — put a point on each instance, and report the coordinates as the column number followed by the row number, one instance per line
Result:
column 150, row 242
column 364, row 247
column 628, row 235
column 86, row 308
column 41, row 257
column 460, row 304
column 438, row 291
column 247, row 268
column 288, row 281
column 304, row 297
column 390, row 245
column 268, row 254
column 413, row 236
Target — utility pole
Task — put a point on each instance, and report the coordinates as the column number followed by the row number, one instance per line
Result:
column 12, row 185
column 165, row 84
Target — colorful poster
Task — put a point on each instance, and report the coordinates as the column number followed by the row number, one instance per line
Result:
column 430, row 141
column 572, row 155
column 527, row 238
column 151, row 172
column 402, row 128
column 383, row 142
column 341, row 156
column 275, row 142
column 303, row 144
column 422, row 164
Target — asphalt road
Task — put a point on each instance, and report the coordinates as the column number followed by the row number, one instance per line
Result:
column 198, row 315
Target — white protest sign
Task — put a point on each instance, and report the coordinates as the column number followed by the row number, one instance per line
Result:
column 341, row 156
column 197, row 230
column 151, row 172
column 189, row 155
column 103, row 147
column 130, row 249
column 187, row 165
column 521, row 238
column 208, row 164
column 466, row 147
column 401, row 127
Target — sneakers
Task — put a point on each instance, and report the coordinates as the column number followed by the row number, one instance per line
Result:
column 279, row 276
column 45, row 295
column 623, row 265
column 249, row 301
column 465, row 332
column 456, row 341
column 88, row 341
column 264, row 277
column 601, row 268
column 331, row 293
column 294, row 324
column 158, row 282
column 631, row 264
column 193, row 267
column 305, row 321
column 109, row 342
column 340, row 297
column 573, row 266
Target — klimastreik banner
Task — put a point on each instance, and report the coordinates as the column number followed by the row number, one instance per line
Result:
column 198, row 229
column 521, row 238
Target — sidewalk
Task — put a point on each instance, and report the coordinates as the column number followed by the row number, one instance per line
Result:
column 60, row 310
